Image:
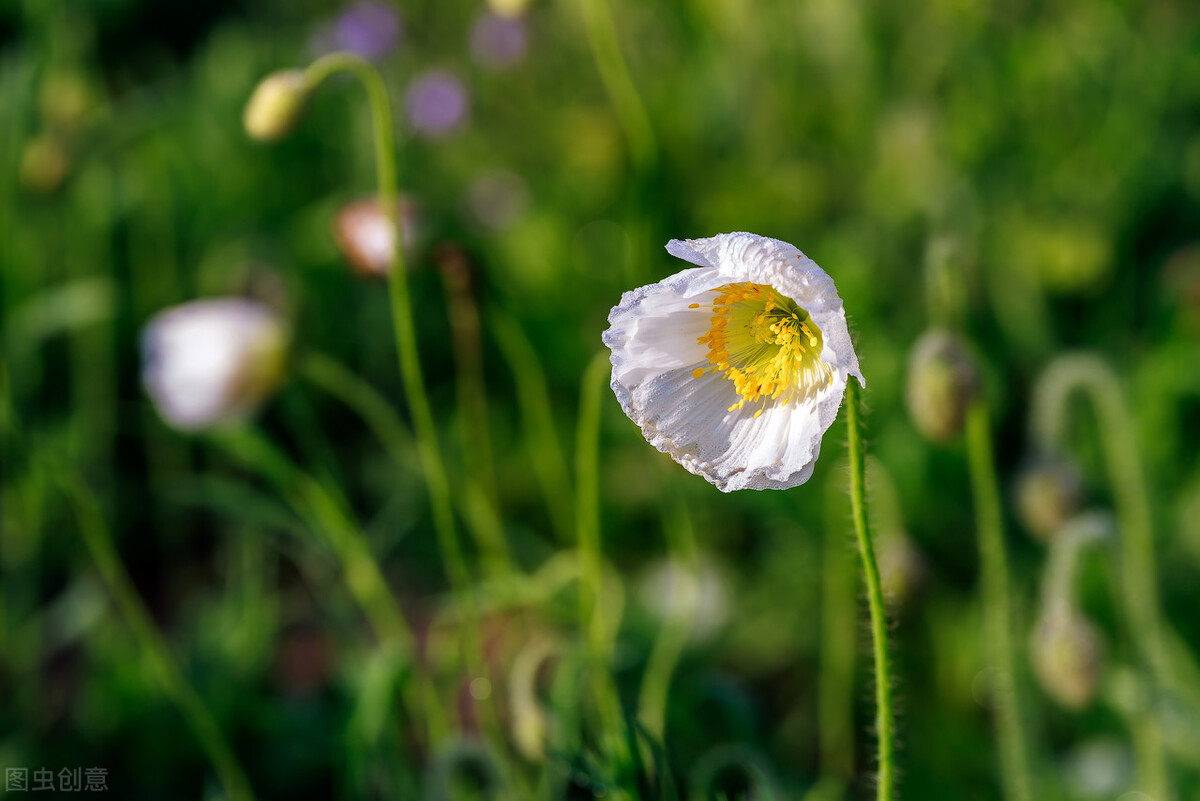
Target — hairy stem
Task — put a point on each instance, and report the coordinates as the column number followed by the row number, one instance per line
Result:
column 884, row 719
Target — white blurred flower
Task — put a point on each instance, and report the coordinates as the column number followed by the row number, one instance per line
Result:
column 734, row 368
column 367, row 238
column 212, row 361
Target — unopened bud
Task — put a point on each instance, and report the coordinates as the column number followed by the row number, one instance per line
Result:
column 367, row 238
column 276, row 105
column 44, row 165
column 942, row 382
column 1067, row 657
column 1048, row 494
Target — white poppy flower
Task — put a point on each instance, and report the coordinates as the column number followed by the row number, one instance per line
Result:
column 735, row 368
column 212, row 361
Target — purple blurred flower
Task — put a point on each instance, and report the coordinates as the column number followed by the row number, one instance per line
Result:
column 436, row 103
column 497, row 41
column 370, row 28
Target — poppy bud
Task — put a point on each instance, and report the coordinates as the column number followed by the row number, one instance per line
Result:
column 1048, row 494
column 943, row 380
column 276, row 105
column 1067, row 657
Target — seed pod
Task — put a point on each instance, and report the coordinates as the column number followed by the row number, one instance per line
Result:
column 943, row 380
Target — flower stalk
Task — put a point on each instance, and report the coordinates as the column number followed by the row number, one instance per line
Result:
column 1014, row 758
column 884, row 716
column 407, row 351
column 594, row 618
column 150, row 640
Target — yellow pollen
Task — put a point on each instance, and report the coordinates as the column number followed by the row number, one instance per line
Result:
column 757, row 340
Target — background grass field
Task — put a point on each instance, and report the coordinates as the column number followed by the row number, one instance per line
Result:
column 1025, row 173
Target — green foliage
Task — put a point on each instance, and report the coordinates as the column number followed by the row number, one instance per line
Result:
column 1028, row 174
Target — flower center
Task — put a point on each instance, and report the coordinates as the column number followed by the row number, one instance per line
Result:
column 764, row 343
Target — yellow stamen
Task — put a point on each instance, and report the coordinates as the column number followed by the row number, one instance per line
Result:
column 758, row 341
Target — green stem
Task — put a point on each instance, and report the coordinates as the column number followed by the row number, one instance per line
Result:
column 1014, row 758
column 591, row 567
column 537, row 420
column 408, row 354
column 884, row 719
column 154, row 649
column 685, row 598
column 618, row 82
column 402, row 319
column 364, row 400
column 321, row 510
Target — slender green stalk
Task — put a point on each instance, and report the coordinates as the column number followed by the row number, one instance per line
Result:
column 593, row 609
column 618, row 82
column 405, row 333
column 884, row 718
column 363, row 399
column 463, row 314
column 402, row 320
column 324, row 513
column 685, row 598
column 635, row 123
column 381, row 417
column 154, row 650
column 408, row 354
column 1014, row 758
column 537, row 419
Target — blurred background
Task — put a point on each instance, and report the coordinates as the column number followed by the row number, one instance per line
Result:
column 1026, row 174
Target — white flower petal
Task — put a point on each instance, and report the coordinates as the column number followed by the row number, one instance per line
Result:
column 212, row 361
column 653, row 337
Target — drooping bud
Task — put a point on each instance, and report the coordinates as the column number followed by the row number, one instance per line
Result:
column 44, row 165
column 943, row 380
column 1048, row 494
column 367, row 238
column 1067, row 656
column 276, row 105
column 214, row 361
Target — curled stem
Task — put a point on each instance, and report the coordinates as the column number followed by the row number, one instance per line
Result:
column 1014, row 758
column 407, row 351
column 150, row 640
column 1138, row 571
column 884, row 718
